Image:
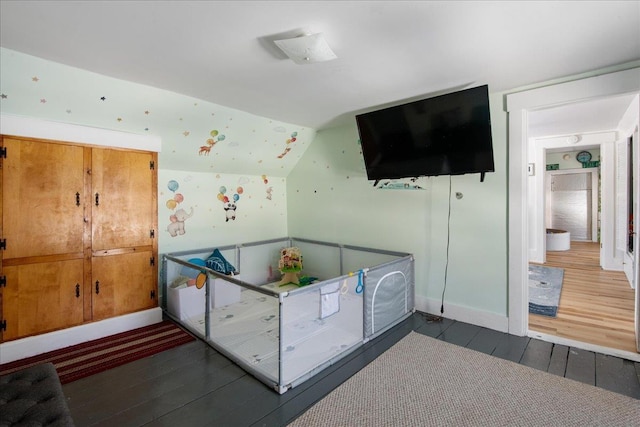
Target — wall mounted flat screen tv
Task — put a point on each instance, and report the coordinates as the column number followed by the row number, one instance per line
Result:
column 445, row 135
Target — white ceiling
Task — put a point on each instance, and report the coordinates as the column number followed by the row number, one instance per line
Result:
column 388, row 51
column 581, row 117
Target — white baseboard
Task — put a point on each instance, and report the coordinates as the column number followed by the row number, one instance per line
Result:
column 32, row 346
column 463, row 314
column 501, row 323
column 585, row 346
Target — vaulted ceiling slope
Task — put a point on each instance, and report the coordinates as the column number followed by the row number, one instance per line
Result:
column 387, row 51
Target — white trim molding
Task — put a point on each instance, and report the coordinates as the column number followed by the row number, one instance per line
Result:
column 537, row 189
column 463, row 314
column 585, row 346
column 31, row 127
column 517, row 106
column 38, row 344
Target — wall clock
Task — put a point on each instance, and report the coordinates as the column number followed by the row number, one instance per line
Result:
column 583, row 157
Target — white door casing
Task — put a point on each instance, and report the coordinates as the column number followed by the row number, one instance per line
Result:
column 628, row 177
column 535, row 189
column 518, row 105
column 636, row 235
column 622, row 206
column 629, row 218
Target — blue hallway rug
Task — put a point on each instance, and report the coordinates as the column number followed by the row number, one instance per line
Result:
column 545, row 286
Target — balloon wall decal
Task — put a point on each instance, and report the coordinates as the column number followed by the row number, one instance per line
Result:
column 269, row 189
column 172, row 203
column 289, row 141
column 206, row 149
column 229, row 204
column 177, row 219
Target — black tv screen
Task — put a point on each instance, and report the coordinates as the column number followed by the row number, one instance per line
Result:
column 445, row 135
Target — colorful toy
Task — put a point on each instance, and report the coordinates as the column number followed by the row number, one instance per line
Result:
column 290, row 265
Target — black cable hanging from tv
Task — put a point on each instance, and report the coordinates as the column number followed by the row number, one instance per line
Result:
column 446, row 267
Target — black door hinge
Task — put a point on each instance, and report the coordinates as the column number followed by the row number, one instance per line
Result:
column 3, row 243
column 152, row 233
column 3, row 325
column 152, row 260
column 3, row 281
column 3, row 152
column 153, row 295
column 152, row 165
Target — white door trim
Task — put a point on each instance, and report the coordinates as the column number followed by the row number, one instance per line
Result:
column 518, row 105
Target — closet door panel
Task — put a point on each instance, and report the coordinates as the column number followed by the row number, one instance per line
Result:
column 42, row 297
column 42, row 199
column 123, row 202
column 122, row 284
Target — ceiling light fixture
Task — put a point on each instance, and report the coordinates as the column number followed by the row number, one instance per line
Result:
column 306, row 49
column 572, row 139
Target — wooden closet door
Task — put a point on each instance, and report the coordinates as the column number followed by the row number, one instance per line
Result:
column 123, row 199
column 123, row 284
column 42, row 199
column 42, row 297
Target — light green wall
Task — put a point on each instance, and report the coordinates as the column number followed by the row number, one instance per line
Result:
column 330, row 198
column 261, row 209
column 571, row 162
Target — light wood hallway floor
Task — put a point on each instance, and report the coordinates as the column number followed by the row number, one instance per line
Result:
column 596, row 306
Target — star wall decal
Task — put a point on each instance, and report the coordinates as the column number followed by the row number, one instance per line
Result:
column 68, row 111
column 43, row 101
column 185, row 133
column 147, row 112
column 102, row 98
column 119, row 119
column 4, row 96
column 35, row 79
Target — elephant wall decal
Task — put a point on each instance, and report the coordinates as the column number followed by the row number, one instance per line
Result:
column 177, row 222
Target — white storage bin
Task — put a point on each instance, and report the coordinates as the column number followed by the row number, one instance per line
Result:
column 558, row 240
column 225, row 293
column 186, row 302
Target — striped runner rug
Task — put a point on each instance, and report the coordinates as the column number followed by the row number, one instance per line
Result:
column 89, row 358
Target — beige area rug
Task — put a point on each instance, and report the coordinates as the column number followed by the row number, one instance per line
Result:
column 422, row 381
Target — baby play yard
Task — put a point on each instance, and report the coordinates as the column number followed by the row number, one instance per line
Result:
column 285, row 309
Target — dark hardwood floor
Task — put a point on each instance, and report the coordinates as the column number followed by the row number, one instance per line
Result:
column 193, row 385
